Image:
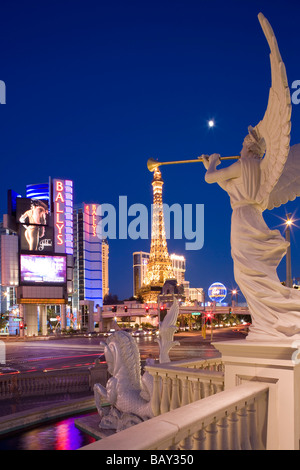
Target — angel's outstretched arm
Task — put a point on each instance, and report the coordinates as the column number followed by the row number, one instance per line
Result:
column 219, row 176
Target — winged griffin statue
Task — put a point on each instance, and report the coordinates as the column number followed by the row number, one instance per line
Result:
column 127, row 391
column 266, row 175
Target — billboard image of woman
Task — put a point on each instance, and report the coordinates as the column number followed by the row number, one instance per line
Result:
column 34, row 220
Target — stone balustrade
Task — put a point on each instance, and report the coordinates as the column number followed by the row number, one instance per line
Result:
column 43, row 383
column 233, row 419
column 22, row 384
column 176, row 384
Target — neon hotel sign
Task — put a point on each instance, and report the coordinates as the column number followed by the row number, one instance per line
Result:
column 63, row 210
column 59, row 211
column 91, row 212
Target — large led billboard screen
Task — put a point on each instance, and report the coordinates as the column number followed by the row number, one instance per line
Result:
column 35, row 233
column 63, row 216
column 43, row 269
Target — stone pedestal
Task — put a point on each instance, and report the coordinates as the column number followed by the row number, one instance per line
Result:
column 278, row 365
column 31, row 319
column 100, row 319
column 63, row 316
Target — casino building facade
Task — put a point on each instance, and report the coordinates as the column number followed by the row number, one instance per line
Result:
column 52, row 260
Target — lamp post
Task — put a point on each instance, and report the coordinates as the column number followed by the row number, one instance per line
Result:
column 233, row 294
column 288, row 223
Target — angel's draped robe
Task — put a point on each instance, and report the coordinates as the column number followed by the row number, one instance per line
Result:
column 256, row 251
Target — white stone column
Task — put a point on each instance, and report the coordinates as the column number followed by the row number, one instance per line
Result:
column 100, row 318
column 91, row 315
column 30, row 319
column 63, row 316
column 276, row 364
column 22, row 315
column 43, row 319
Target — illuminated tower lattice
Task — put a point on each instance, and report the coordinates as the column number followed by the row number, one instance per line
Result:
column 159, row 264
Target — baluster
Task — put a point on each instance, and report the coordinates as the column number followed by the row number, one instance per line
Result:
column 199, row 440
column 234, row 442
column 6, row 387
column 155, row 400
column 20, row 385
column 27, row 386
column 185, row 392
column 31, row 382
column 165, row 397
column 223, row 434
column 191, row 390
column 175, row 401
column 55, row 384
column 23, row 387
column 186, row 444
column 255, row 439
column 35, row 385
column 244, row 431
column 206, row 386
column 197, row 393
column 51, row 383
column 212, row 431
column 79, row 381
column 70, row 381
column 38, row 385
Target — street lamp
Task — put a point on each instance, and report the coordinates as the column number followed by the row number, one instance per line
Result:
column 288, row 224
column 233, row 293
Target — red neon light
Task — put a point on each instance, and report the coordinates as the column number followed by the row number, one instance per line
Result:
column 58, row 208
column 59, row 196
column 59, row 222
column 94, row 219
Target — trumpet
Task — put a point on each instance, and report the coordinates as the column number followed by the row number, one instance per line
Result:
column 153, row 164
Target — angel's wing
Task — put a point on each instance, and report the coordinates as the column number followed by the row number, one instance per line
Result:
column 275, row 127
column 166, row 332
column 171, row 318
column 288, row 185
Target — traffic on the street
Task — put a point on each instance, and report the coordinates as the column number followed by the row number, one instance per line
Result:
column 82, row 351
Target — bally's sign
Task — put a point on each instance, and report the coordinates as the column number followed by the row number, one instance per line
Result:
column 63, row 213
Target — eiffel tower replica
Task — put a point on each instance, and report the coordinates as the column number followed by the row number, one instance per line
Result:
column 159, row 265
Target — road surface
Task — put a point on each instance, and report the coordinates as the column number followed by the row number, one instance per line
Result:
column 81, row 352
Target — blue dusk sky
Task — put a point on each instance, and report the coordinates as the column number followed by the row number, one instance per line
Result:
column 94, row 89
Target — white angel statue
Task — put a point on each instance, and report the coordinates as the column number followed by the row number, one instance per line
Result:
column 267, row 175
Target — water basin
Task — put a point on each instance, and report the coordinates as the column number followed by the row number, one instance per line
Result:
column 59, row 435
